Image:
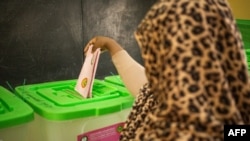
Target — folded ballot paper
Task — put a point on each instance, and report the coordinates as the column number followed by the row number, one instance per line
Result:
column 87, row 75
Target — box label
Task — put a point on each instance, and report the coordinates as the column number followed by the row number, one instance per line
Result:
column 110, row 133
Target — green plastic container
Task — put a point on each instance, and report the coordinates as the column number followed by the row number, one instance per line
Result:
column 62, row 114
column 247, row 51
column 114, row 79
column 244, row 27
column 15, row 116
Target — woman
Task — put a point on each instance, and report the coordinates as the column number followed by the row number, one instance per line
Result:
column 195, row 78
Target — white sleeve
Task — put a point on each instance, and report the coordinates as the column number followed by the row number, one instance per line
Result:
column 130, row 71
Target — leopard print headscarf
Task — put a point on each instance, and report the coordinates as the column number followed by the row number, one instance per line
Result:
column 196, row 68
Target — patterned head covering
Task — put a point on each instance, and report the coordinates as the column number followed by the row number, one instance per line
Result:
column 196, row 68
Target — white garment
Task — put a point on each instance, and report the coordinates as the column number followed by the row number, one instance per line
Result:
column 130, row 71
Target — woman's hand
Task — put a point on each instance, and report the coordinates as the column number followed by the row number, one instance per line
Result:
column 104, row 43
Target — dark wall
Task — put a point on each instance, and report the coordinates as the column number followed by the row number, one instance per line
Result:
column 42, row 40
column 117, row 19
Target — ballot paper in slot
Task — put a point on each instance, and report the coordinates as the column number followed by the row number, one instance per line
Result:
column 87, row 75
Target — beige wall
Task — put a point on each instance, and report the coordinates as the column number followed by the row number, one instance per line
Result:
column 240, row 8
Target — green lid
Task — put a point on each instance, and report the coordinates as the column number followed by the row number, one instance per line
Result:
column 115, row 79
column 247, row 52
column 243, row 21
column 59, row 101
column 13, row 111
column 244, row 27
column 247, row 45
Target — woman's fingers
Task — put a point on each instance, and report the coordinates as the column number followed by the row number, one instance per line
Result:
column 97, row 42
column 91, row 42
